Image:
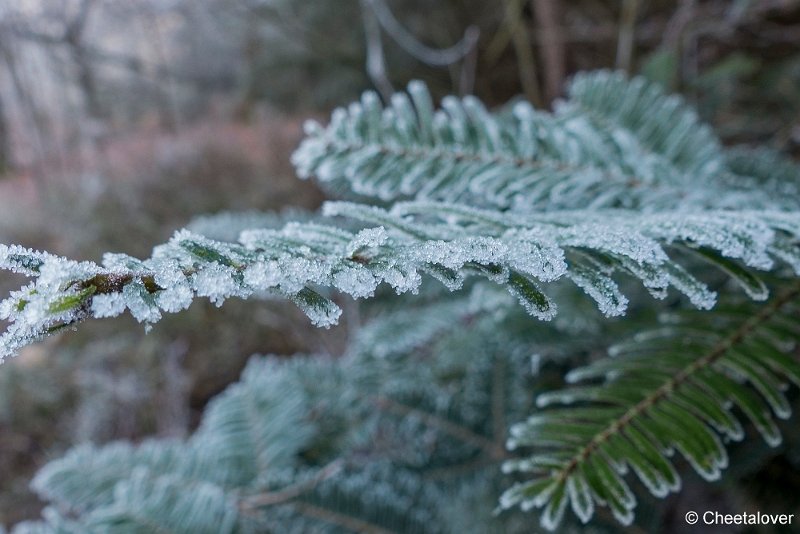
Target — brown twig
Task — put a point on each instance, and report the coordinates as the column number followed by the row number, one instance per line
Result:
column 291, row 492
column 460, row 432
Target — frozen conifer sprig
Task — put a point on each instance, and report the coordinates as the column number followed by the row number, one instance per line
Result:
column 398, row 246
column 639, row 414
column 613, row 143
column 244, row 470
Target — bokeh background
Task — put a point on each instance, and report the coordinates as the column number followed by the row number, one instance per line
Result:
column 123, row 120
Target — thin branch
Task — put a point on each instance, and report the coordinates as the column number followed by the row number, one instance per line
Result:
column 293, row 491
column 627, row 29
column 436, row 57
column 526, row 63
column 492, row 449
column 376, row 62
column 548, row 17
column 459, row 156
column 466, row 83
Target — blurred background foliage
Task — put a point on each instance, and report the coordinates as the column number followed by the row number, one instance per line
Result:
column 121, row 120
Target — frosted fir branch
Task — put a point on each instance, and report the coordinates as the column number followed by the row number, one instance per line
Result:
column 613, row 143
column 587, row 435
column 22, row 260
column 243, row 469
column 449, row 242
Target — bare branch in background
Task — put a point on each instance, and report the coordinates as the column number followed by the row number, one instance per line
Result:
column 74, row 39
column 468, row 68
column 376, row 62
column 548, row 17
column 515, row 32
column 381, row 17
column 524, row 51
column 171, row 113
column 678, row 22
column 627, row 29
column 435, row 57
column 30, row 111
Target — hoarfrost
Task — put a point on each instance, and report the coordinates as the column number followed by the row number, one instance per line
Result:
column 110, row 305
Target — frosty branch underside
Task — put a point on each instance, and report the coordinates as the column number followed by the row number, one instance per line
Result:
column 397, row 246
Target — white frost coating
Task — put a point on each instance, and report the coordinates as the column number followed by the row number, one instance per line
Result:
column 215, row 282
column 55, row 271
column 167, row 273
column 321, row 311
column 533, row 253
column 516, row 494
column 631, row 244
column 356, row 281
column 402, row 281
column 650, row 154
column 606, row 293
column 263, row 275
column 175, row 298
column 544, row 311
column 580, row 498
column 142, row 310
column 553, row 514
column 110, row 305
column 369, row 238
column 21, row 260
column 698, row 293
column 121, row 262
column 452, row 242
column 735, row 237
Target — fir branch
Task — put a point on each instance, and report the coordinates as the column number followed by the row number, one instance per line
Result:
column 640, row 413
column 677, row 380
column 450, row 242
column 613, row 143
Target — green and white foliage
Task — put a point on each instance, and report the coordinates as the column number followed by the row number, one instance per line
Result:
column 397, row 246
column 613, row 143
column 242, row 471
column 620, row 195
column 262, row 458
column 682, row 387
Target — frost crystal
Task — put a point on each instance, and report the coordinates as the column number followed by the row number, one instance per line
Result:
column 369, row 238
column 109, row 305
